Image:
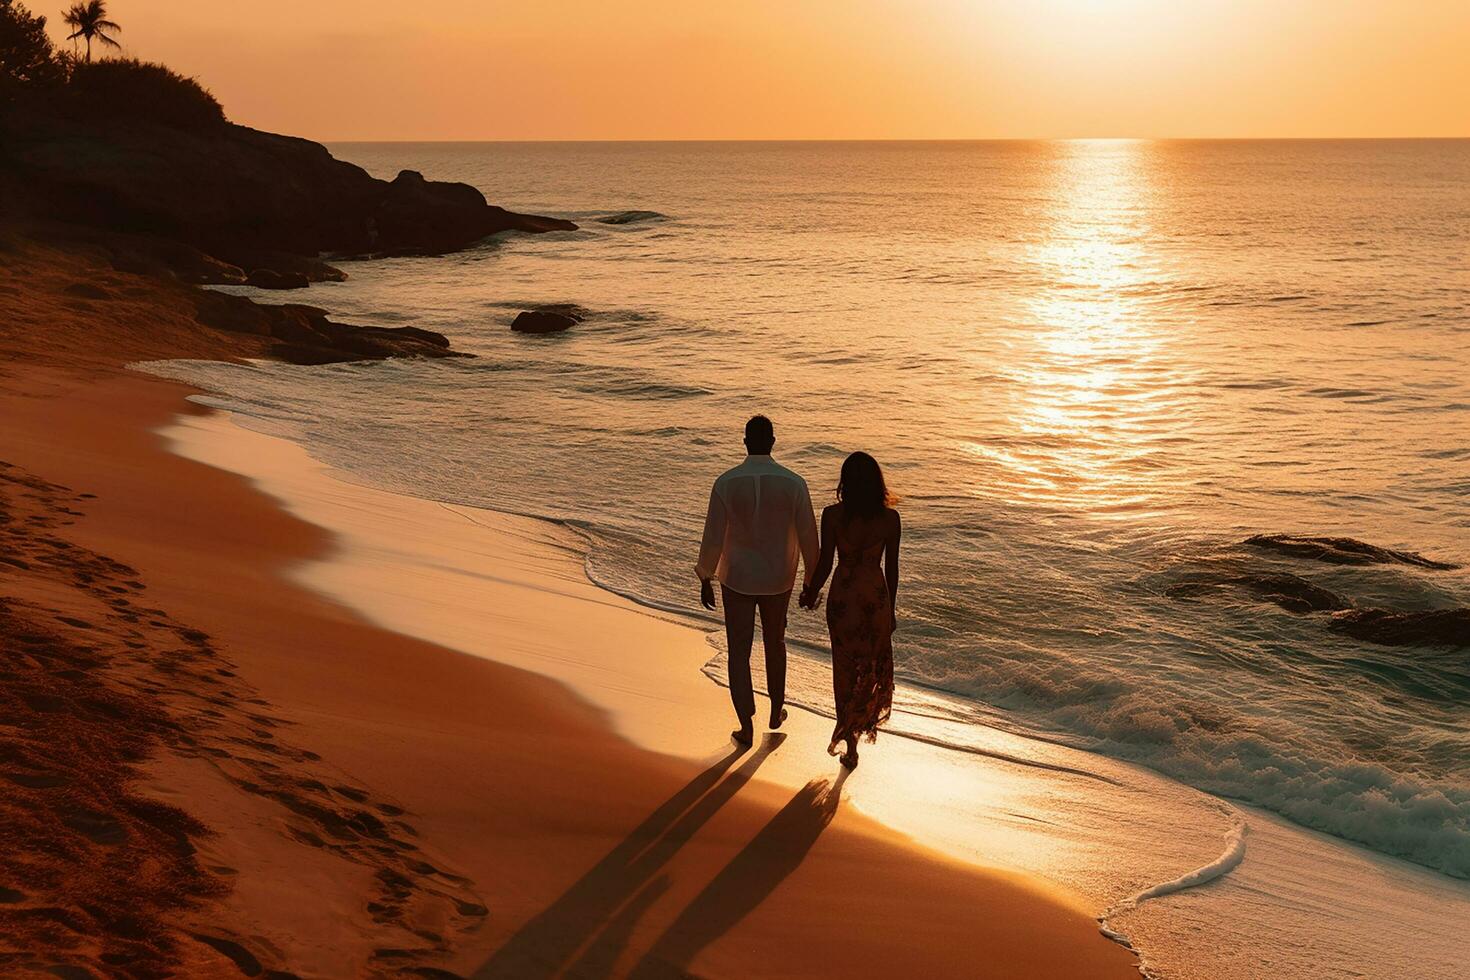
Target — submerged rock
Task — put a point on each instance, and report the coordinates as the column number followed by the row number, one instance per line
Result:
column 1434, row 627
column 271, row 279
column 1290, row 592
column 629, row 217
column 1340, row 551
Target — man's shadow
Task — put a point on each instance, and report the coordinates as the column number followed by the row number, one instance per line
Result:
column 747, row 881
column 547, row 943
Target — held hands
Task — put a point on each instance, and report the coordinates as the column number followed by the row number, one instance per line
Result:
column 810, row 598
column 707, row 593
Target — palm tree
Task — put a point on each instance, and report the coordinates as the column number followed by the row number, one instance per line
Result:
column 89, row 20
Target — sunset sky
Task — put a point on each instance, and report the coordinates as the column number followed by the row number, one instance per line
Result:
column 818, row 69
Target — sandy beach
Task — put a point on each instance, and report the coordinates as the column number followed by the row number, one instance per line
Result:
column 387, row 393
column 318, row 794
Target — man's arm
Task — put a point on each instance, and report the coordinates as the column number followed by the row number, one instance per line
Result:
column 818, row 575
column 806, row 531
column 710, row 547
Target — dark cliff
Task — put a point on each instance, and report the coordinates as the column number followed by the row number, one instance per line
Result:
column 234, row 193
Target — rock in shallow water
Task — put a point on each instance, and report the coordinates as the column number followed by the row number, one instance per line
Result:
column 1290, row 592
column 306, row 336
column 1340, row 551
column 629, row 217
column 548, row 319
column 1426, row 628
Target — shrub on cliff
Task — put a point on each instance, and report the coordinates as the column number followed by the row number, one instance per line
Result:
column 26, row 57
column 129, row 89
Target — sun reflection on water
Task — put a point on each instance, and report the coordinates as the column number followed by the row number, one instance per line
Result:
column 1093, row 374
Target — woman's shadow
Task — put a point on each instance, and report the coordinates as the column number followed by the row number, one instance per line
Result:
column 747, row 881
column 548, row 943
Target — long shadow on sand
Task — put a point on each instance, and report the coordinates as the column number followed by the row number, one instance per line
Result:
column 750, row 877
column 609, row 899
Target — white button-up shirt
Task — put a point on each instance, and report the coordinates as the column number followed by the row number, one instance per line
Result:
column 760, row 522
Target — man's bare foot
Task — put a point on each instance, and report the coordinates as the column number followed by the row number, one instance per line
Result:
column 777, row 718
column 743, row 736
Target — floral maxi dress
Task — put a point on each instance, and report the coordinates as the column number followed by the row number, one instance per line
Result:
column 860, row 620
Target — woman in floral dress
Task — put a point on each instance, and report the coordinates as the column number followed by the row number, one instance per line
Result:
column 860, row 529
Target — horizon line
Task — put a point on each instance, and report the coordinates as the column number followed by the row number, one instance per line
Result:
column 906, row 139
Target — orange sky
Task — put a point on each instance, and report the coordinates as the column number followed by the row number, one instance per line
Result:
column 818, row 69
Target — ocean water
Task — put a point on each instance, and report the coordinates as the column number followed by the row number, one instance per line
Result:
column 1090, row 369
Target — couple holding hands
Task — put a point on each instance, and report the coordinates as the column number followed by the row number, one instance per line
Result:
column 759, row 525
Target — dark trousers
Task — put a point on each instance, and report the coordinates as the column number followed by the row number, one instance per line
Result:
column 740, row 634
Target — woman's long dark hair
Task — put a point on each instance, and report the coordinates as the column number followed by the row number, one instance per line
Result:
column 861, row 488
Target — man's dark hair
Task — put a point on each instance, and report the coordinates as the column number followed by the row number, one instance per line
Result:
column 760, row 435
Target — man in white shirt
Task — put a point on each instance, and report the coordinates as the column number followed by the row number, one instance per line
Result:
column 760, row 522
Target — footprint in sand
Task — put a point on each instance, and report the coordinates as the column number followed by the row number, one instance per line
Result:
column 96, row 827
column 44, row 703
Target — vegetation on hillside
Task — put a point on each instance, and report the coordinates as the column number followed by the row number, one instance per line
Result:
column 129, row 88
column 34, row 74
column 27, row 60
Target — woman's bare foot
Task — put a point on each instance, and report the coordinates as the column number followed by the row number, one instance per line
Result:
column 777, row 717
column 849, row 759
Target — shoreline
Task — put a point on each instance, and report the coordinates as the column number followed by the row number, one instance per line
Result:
column 656, row 697
column 1012, row 802
column 1069, row 825
column 400, row 803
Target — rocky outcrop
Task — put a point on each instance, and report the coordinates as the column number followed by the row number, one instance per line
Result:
column 224, row 204
column 1434, row 627
column 428, row 216
column 231, row 192
column 1340, row 551
column 548, row 319
column 305, row 335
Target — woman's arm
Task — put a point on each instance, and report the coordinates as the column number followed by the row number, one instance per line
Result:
column 890, row 560
column 824, row 563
